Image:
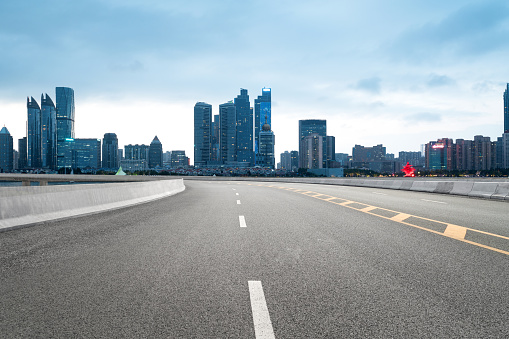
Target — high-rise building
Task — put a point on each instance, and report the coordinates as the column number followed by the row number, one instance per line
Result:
column 367, row 154
column 439, row 154
column 22, row 149
column 178, row 159
column 202, row 134
column 312, row 148
column 306, row 128
column 506, row 109
column 262, row 109
column 286, row 161
column 155, row 156
column 34, row 133
column 484, row 153
column 48, row 133
column 136, row 152
column 65, row 125
column 505, row 150
column 295, row 160
column 413, row 158
column 110, row 151
column 341, row 158
column 331, row 148
column 86, row 153
column 214, row 155
column 228, row 133
column 266, row 147
column 6, row 150
column 245, row 153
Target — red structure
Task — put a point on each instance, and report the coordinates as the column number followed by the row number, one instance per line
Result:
column 408, row 170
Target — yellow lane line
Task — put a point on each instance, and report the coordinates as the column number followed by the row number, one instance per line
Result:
column 452, row 231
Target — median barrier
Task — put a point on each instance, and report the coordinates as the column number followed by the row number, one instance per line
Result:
column 502, row 192
column 462, row 188
column 21, row 206
column 424, row 186
column 483, row 190
column 405, row 185
column 444, row 187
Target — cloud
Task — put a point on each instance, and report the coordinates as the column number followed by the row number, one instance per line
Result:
column 436, row 80
column 472, row 30
column 371, row 85
column 423, row 117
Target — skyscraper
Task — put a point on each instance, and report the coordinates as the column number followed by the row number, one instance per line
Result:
column 65, row 125
column 286, row 161
column 312, row 149
column 155, row 155
column 34, row 133
column 306, row 128
column 506, row 109
column 6, row 150
column 48, row 133
column 266, row 147
column 331, row 149
column 214, row 155
column 202, row 134
column 110, row 151
column 86, row 153
column 262, row 108
column 244, row 111
column 228, row 133
column 22, row 149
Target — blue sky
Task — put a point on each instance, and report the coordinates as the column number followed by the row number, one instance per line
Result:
column 398, row 73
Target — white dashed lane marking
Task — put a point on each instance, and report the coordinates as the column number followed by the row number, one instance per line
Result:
column 242, row 221
column 261, row 318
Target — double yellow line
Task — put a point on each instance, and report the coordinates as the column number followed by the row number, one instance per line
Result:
column 445, row 229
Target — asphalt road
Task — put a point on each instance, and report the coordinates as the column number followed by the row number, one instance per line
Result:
column 244, row 260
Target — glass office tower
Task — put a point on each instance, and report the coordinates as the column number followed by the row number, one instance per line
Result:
column 228, row 133
column 65, row 125
column 48, row 133
column 33, row 134
column 110, row 151
column 306, row 128
column 244, row 111
column 262, row 108
column 202, row 133
column 506, row 109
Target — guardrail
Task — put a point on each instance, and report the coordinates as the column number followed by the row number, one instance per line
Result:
column 486, row 188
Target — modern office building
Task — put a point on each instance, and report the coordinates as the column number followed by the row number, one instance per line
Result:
column 6, row 150
column 286, row 161
column 22, row 149
column 34, row 133
column 155, row 156
column 506, row 109
column 178, row 159
column 295, row 160
column 505, row 150
column 366, row 154
column 65, row 125
column 341, row 158
column 214, row 156
column 413, row 158
column 266, row 147
column 307, row 128
column 262, row 109
column 48, row 133
column 228, row 133
column 202, row 134
column 245, row 152
column 439, row 154
column 136, row 152
column 86, row 153
column 331, row 148
column 312, row 149
column 110, row 158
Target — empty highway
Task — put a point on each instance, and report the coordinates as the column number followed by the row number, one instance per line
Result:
column 264, row 260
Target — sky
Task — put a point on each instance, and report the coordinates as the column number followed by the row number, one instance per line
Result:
column 397, row 73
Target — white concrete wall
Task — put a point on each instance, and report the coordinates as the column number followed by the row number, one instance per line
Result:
column 33, row 204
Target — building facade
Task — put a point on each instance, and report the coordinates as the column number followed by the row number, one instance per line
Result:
column 155, row 156
column 48, row 133
column 244, row 113
column 65, row 125
column 178, row 159
column 110, row 151
column 266, row 147
column 6, row 151
column 86, row 153
column 228, row 133
column 33, row 134
column 506, row 109
column 22, row 150
column 262, row 109
column 307, row 128
column 202, row 134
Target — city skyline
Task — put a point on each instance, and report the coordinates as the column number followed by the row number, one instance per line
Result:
column 399, row 75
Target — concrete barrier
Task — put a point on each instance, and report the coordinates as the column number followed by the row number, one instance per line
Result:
column 502, row 192
column 29, row 205
column 483, row 190
column 424, row 186
column 444, row 187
